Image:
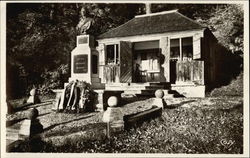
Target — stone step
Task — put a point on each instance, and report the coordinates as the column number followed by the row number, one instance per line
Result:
column 98, row 86
column 169, row 96
column 140, row 92
column 134, row 88
column 95, row 80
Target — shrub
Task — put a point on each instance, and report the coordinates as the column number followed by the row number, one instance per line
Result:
column 53, row 79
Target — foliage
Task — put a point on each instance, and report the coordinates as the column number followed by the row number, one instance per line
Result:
column 53, row 79
column 227, row 23
column 235, row 88
column 224, row 20
column 40, row 36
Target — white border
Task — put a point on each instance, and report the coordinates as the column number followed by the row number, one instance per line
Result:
column 3, row 108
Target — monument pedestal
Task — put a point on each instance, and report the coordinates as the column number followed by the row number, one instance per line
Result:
column 84, row 62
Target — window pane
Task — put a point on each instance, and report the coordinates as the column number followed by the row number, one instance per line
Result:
column 110, row 53
column 143, row 56
column 174, row 48
column 187, row 48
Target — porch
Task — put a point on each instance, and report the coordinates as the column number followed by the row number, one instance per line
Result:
column 187, row 79
column 181, row 72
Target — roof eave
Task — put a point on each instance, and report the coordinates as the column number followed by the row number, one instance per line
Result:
column 109, row 38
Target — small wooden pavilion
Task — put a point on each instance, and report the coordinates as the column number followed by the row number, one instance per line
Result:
column 159, row 48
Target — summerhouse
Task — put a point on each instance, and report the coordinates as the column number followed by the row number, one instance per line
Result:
column 164, row 48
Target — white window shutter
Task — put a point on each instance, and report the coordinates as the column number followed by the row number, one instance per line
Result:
column 196, row 46
column 101, row 50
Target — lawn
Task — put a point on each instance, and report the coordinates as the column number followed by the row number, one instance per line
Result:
column 188, row 125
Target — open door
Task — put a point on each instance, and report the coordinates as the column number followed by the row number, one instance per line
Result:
column 126, row 62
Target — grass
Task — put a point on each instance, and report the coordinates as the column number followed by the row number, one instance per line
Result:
column 210, row 125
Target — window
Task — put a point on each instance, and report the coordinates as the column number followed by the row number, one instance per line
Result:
column 112, row 54
column 181, row 48
column 175, row 48
column 187, row 47
column 143, row 56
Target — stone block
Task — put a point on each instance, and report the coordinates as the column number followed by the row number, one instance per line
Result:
column 57, row 99
column 33, row 99
column 112, row 114
column 159, row 102
column 30, row 128
column 116, row 126
column 25, row 128
column 196, row 91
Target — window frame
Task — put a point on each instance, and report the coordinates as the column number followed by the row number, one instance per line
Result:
column 116, row 52
column 180, row 47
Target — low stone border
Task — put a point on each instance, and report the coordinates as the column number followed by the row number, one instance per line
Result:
column 134, row 120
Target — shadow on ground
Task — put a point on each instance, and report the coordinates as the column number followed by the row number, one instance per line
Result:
column 70, row 121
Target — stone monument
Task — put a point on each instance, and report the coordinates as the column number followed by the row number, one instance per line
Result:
column 84, row 58
column 33, row 98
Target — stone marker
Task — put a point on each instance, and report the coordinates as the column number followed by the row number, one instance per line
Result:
column 158, row 100
column 30, row 126
column 33, row 98
column 113, row 116
column 58, row 98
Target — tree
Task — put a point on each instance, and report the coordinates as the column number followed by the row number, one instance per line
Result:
column 40, row 36
column 227, row 24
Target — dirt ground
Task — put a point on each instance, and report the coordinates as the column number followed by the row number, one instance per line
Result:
column 59, row 127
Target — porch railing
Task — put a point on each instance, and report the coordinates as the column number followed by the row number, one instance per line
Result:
column 190, row 71
column 111, row 73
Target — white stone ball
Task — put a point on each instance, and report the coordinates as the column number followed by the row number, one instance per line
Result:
column 112, row 101
column 159, row 93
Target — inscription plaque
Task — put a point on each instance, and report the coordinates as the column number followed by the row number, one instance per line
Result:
column 80, row 64
column 83, row 40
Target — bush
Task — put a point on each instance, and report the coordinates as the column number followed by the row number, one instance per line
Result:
column 54, row 79
column 235, row 88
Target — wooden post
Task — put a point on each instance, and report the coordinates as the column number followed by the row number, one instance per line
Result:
column 165, row 50
column 180, row 46
column 192, row 70
column 202, row 72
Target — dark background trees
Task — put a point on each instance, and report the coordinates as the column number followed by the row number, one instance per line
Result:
column 40, row 36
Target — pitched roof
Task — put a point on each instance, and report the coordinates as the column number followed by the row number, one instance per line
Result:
column 153, row 23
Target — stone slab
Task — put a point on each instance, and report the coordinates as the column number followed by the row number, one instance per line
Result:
column 197, row 91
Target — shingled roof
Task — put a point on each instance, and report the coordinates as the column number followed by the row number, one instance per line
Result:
column 153, row 23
